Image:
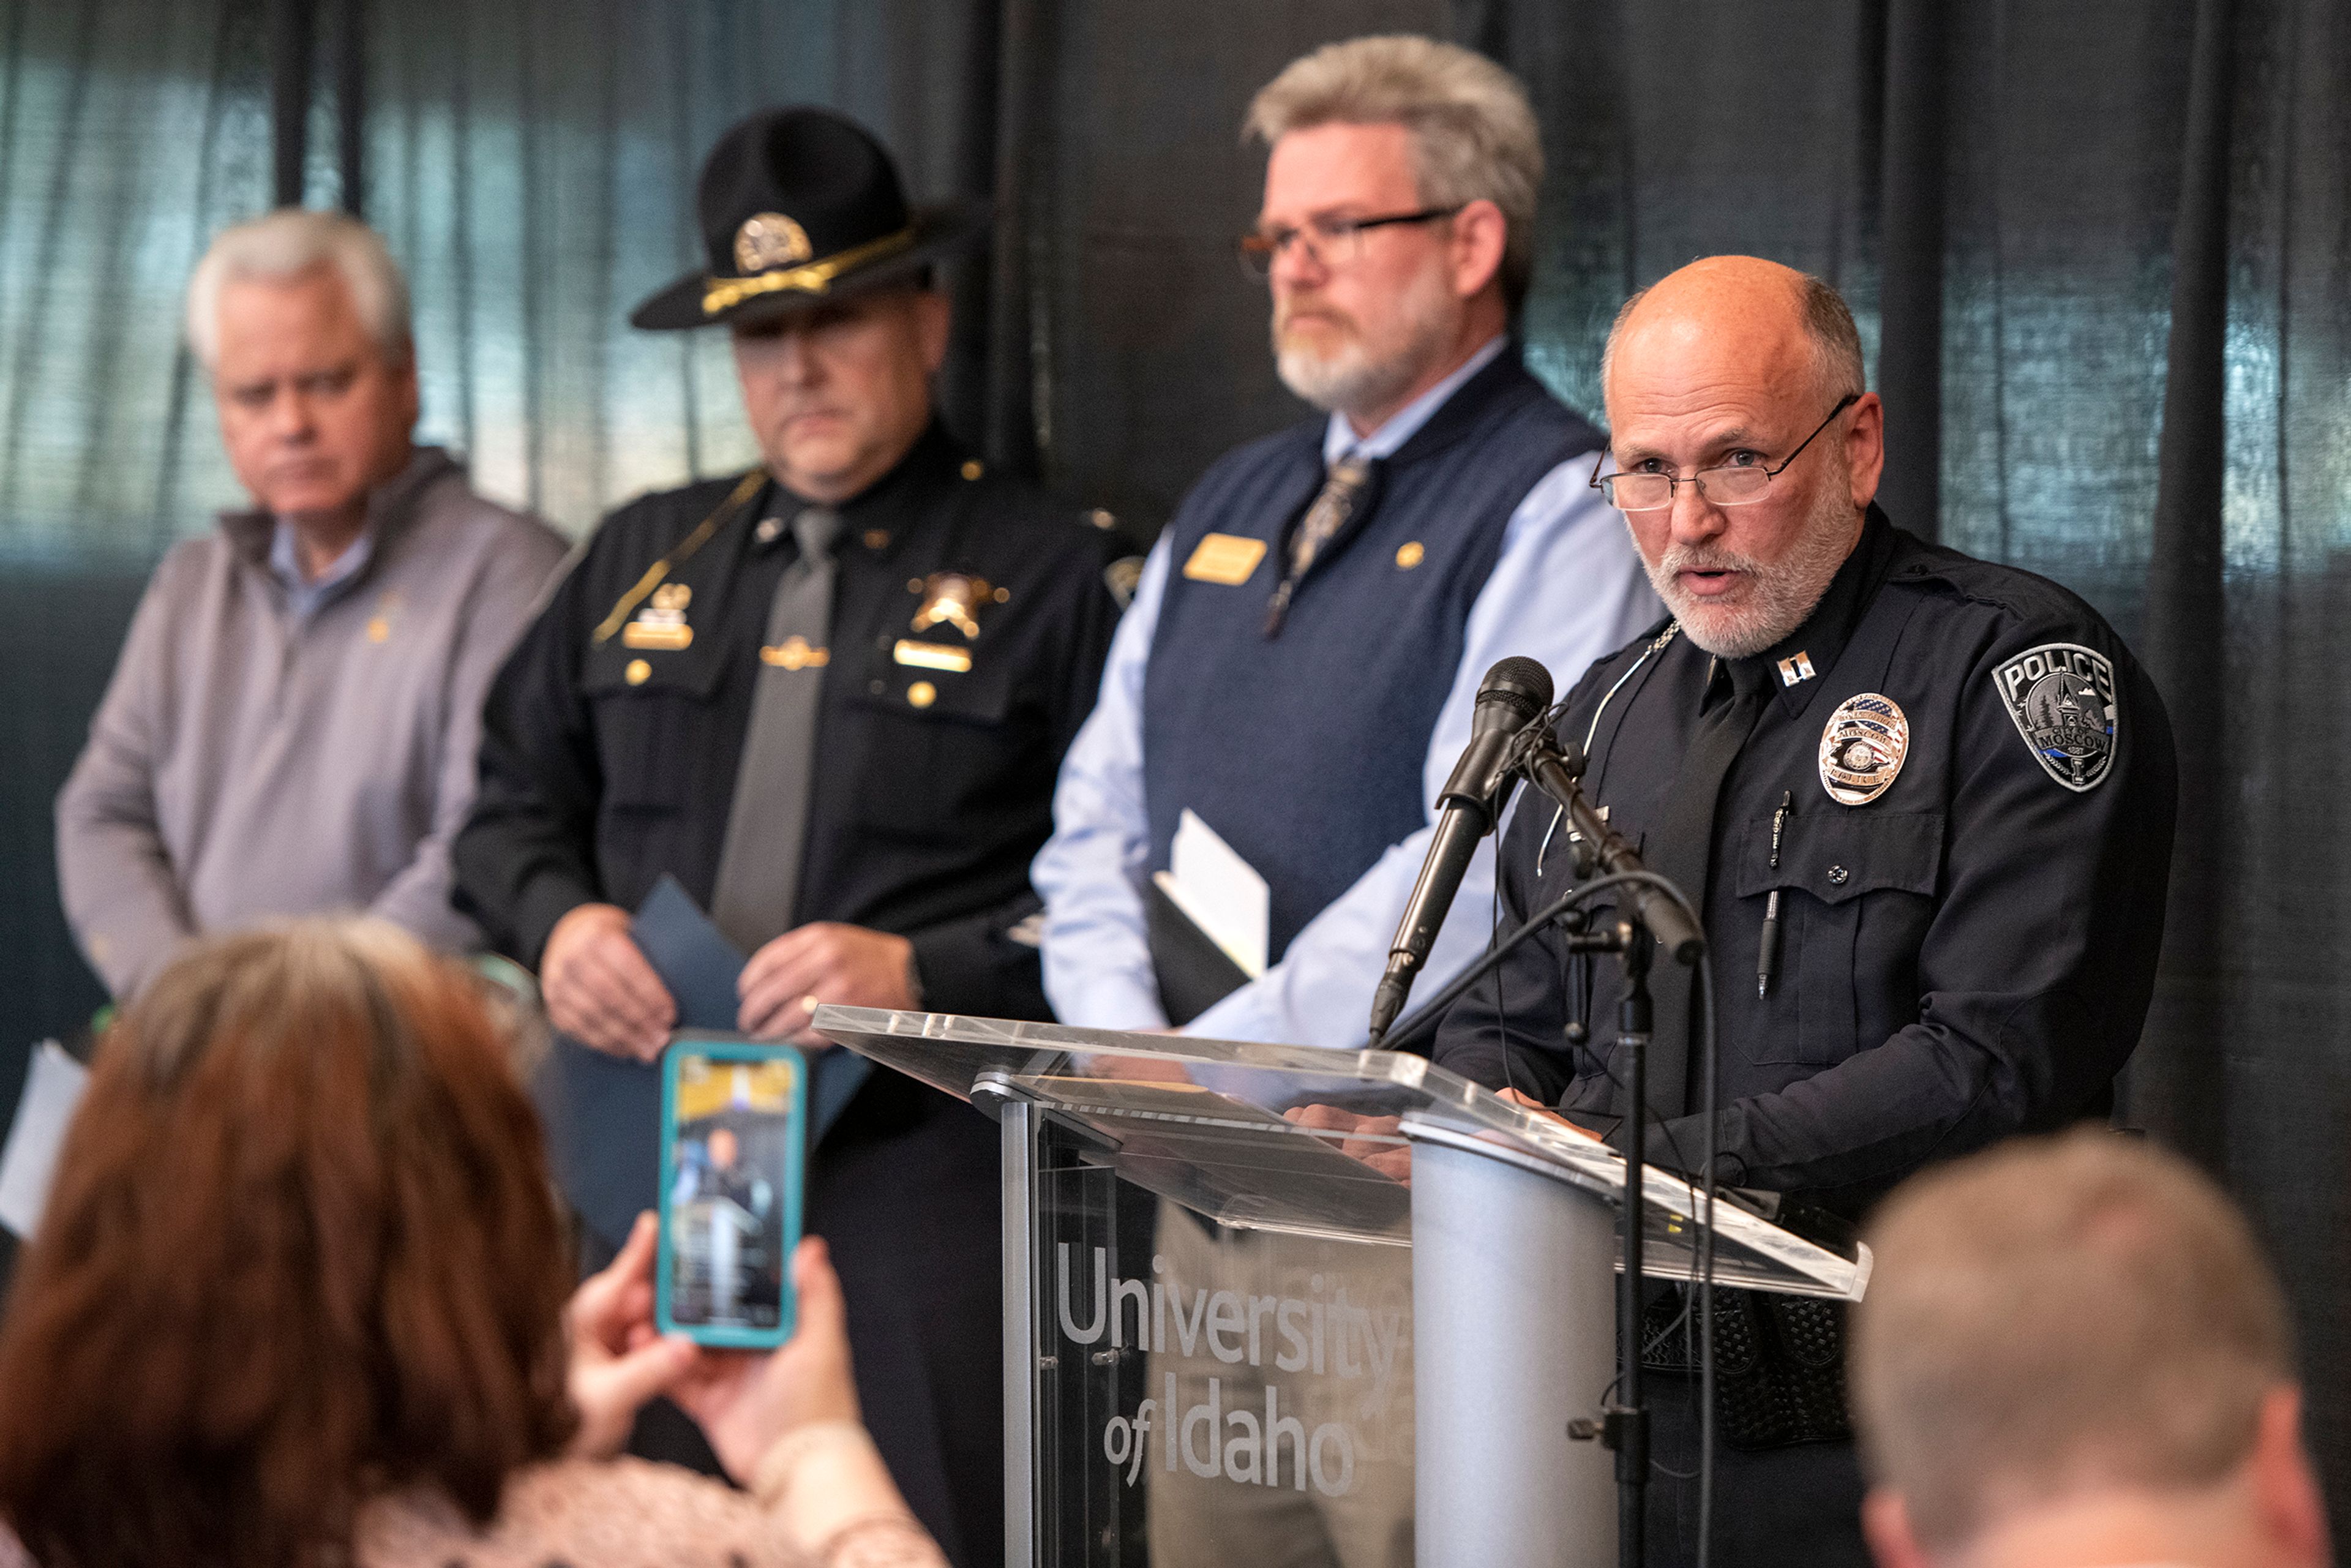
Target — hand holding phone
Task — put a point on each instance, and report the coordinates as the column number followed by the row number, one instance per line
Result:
column 744, row 1400
column 618, row 1363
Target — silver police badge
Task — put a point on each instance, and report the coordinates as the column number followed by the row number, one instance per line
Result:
column 2061, row 696
column 1861, row 748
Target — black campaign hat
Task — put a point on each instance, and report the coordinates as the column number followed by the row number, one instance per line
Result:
column 800, row 206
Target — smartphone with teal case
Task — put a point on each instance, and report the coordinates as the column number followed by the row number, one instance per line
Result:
column 733, row 1153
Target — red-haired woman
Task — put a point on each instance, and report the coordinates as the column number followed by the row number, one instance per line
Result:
column 299, row 1297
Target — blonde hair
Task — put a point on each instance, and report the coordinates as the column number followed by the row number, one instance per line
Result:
column 1473, row 136
column 2060, row 1315
column 287, row 244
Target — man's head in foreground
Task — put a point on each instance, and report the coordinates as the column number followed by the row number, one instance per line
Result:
column 301, row 318
column 1721, row 374
column 1397, row 229
column 2073, row 1354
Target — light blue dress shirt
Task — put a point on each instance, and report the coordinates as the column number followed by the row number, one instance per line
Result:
column 305, row 598
column 1567, row 589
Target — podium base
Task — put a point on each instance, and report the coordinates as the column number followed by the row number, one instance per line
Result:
column 1514, row 1319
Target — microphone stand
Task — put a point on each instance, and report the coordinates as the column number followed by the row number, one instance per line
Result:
column 1659, row 920
column 1657, row 916
column 1624, row 1424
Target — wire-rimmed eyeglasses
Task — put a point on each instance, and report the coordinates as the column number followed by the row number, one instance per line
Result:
column 1726, row 486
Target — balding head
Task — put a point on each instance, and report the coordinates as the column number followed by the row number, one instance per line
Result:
column 1749, row 288
column 1736, row 363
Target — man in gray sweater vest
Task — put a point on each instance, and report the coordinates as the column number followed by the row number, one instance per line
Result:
column 292, row 725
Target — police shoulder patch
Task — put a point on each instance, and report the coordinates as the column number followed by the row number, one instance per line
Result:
column 2061, row 696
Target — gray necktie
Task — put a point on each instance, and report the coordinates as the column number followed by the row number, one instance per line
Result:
column 767, row 823
column 1332, row 508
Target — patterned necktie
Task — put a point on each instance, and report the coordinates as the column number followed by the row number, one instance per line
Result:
column 1680, row 848
column 767, row 823
column 1324, row 518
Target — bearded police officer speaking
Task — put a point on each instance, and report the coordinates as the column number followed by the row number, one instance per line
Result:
column 1926, row 803
column 829, row 698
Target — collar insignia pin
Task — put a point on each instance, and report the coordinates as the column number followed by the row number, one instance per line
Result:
column 1861, row 748
column 1795, row 670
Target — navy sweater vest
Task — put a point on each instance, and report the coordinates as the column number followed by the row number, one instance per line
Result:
column 1304, row 750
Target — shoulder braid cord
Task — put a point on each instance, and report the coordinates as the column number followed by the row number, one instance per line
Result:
column 745, row 488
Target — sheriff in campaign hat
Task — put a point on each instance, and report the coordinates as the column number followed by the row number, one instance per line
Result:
column 800, row 206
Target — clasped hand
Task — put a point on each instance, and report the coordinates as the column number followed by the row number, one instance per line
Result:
column 601, row 991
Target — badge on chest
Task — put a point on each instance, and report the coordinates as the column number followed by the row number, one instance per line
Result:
column 662, row 622
column 951, row 602
column 955, row 599
column 1861, row 748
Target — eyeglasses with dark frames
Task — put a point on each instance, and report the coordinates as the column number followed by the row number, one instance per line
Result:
column 1333, row 243
column 1725, row 487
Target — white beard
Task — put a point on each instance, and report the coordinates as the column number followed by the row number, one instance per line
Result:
column 1779, row 595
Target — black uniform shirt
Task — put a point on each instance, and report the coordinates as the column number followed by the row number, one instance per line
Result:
column 1969, row 954
column 605, row 765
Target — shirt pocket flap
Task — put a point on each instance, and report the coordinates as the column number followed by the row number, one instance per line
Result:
column 936, row 691
column 1836, row 853
column 616, row 671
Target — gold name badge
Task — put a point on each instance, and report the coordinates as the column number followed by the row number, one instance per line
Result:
column 1224, row 557
column 932, row 655
column 660, row 624
column 654, row 634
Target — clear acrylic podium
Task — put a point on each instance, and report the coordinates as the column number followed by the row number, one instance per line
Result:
column 1236, row 1335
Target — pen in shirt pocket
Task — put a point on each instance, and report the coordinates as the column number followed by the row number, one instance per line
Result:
column 1768, row 959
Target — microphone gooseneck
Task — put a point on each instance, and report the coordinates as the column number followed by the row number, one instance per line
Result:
column 1559, row 774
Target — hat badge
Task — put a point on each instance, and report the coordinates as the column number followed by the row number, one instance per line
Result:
column 769, row 240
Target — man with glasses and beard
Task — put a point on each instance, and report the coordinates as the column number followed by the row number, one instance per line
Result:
column 1297, row 665
column 1932, row 893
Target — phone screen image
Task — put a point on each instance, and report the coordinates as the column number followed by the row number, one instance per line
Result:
column 731, row 1164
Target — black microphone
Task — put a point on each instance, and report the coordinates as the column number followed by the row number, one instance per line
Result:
column 1560, row 774
column 1513, row 694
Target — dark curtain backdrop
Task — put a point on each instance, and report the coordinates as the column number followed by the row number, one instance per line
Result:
column 2098, row 252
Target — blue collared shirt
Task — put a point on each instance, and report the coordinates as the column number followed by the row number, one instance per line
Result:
column 306, row 598
column 1567, row 589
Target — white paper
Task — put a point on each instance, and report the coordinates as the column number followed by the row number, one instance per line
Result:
column 1221, row 892
column 53, row 1088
